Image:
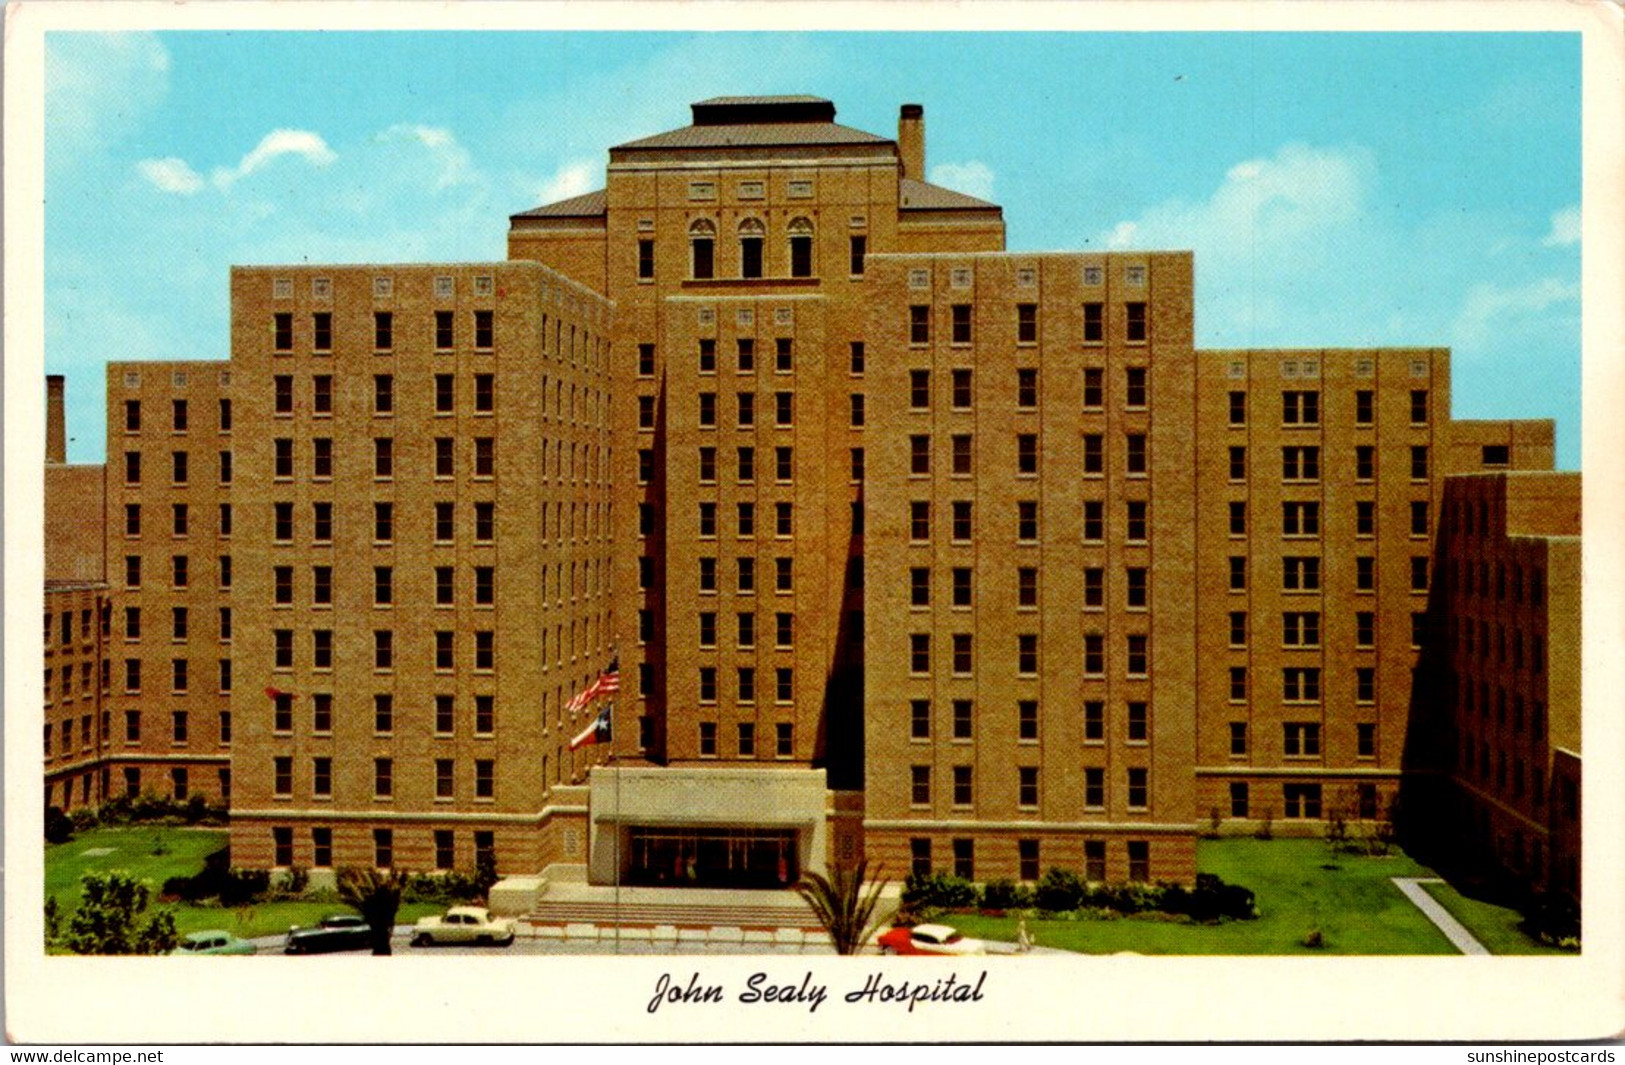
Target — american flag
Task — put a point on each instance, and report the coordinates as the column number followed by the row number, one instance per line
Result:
column 608, row 683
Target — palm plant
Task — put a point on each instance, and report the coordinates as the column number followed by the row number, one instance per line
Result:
column 377, row 896
column 844, row 903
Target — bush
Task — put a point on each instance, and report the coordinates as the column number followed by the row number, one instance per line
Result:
column 1266, row 823
column 58, row 826
column 446, row 889
column 106, row 921
column 1006, row 895
column 1060, row 889
column 939, row 890
column 148, row 807
column 233, row 887
column 1211, row 900
column 1554, row 919
column 84, row 819
column 1313, row 939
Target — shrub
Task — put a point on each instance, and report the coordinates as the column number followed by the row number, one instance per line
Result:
column 1060, row 889
column 106, row 920
column 1006, row 895
column 84, row 819
column 58, row 826
column 1313, row 939
column 1554, row 919
column 485, row 871
column 938, row 890
column 449, row 888
column 1266, row 823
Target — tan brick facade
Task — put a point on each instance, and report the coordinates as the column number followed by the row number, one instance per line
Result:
column 978, row 539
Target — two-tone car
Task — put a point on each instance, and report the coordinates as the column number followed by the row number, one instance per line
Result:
column 464, row 924
column 928, row 939
column 336, row 931
column 213, row 941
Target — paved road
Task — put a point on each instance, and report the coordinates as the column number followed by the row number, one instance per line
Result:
column 537, row 945
column 1459, row 937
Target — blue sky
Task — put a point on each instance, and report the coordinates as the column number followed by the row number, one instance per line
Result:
column 1338, row 189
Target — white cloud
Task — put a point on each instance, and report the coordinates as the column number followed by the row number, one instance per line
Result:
column 1491, row 310
column 1565, row 228
column 1289, row 197
column 99, row 87
column 170, row 175
column 974, row 178
column 278, row 142
column 571, row 179
column 453, row 163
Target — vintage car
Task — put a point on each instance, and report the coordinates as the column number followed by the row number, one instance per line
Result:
column 336, row 931
column 463, row 924
column 213, row 941
column 928, row 939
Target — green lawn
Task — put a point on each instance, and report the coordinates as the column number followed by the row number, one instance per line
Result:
column 131, row 850
column 1355, row 907
column 1494, row 926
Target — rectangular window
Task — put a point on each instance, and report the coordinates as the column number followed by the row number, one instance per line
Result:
column 485, row 779
column 784, row 737
column 1300, row 408
column 919, row 389
column 1365, row 462
column 1301, row 574
column 1139, row 861
column 783, row 464
column 322, row 331
column 321, row 394
column 784, row 359
column 1300, row 629
column 1026, row 521
column 1365, row 736
column 1027, row 786
column 1094, row 322
column 1300, row 685
column 964, row 790
column 1027, row 655
column 1238, row 573
column 484, row 330
column 383, row 458
column 178, row 467
column 1300, row 519
column 485, row 456
column 445, row 778
column 646, row 260
column 1300, row 463
column 1365, row 574
column 383, row 330
column 1301, row 739
column 1419, row 406
column 1365, row 407
column 444, row 330
column 1138, row 655
column 1137, row 520
column 1094, row 454
column 919, row 324
column 1238, row 408
column 1026, row 323
column 920, row 785
column 859, row 245
column 1301, row 801
column 282, row 328
column 1139, row 722
column 961, row 318
column 1027, row 454
column 1135, row 327
column 1135, row 391
column 1419, row 462
column 1094, row 655
column 1238, row 518
column 919, row 455
column 962, row 389
column 1094, row 388
column 1138, row 788
column 1094, row 721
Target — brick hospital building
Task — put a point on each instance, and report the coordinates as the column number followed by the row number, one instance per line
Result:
column 907, row 546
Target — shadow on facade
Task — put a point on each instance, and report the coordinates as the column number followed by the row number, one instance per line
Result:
column 840, row 720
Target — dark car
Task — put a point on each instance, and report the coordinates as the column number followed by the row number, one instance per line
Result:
column 338, row 931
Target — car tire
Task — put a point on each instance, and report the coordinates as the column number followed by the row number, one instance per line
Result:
column 484, row 941
column 420, row 940
column 887, row 950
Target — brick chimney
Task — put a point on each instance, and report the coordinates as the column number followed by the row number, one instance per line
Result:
column 56, row 434
column 911, row 140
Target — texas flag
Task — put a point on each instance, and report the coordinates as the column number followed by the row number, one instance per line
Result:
column 596, row 732
column 278, row 693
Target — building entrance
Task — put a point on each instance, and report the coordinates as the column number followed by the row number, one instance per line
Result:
column 713, row 857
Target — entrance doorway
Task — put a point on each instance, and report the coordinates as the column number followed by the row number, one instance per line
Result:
column 713, row 857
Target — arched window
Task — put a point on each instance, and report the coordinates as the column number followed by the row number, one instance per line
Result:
column 801, row 248
column 702, row 239
column 751, row 235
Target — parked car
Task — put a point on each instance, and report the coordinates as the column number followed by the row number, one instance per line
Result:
column 929, row 939
column 213, row 941
column 463, row 924
column 336, row 931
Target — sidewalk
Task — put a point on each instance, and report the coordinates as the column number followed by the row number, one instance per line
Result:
column 1453, row 930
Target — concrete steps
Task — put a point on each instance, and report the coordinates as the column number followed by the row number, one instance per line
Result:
column 675, row 914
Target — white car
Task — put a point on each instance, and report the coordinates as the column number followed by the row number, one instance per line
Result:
column 463, row 924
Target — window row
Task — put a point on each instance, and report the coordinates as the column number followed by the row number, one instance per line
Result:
column 1498, row 643
column 751, row 250
column 180, row 468
column 383, row 394
column 481, row 582
column 383, row 331
column 962, row 721
column 1498, row 580
column 1303, row 407
column 180, row 676
column 1302, row 684
column 1303, row 573
column 745, row 691
column 962, row 526
column 321, row 713
column 1475, row 702
column 1302, row 802
column 180, row 571
column 383, row 778
column 1029, row 863
column 180, row 624
column 383, row 645
column 444, row 458
column 745, row 630
column 745, row 744
column 180, row 420
column 961, row 318
column 1025, row 654
column 383, row 848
